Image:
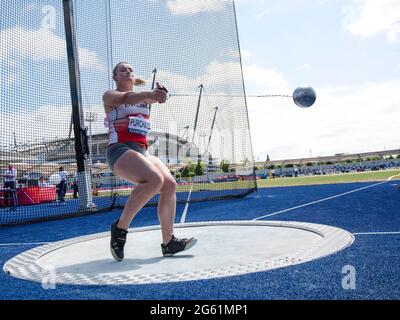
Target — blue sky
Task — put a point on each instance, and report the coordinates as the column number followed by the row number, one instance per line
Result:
column 288, row 34
column 348, row 50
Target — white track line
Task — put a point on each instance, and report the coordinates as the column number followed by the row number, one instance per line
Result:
column 22, row 244
column 376, row 233
column 183, row 218
column 325, row 199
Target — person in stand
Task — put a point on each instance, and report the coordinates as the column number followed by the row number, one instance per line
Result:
column 43, row 183
column 128, row 121
column 62, row 186
column 10, row 194
column 23, row 181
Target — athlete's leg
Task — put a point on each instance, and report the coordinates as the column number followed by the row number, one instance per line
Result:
column 166, row 213
column 134, row 167
column 167, row 204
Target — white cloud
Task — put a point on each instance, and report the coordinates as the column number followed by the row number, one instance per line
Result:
column 28, row 127
column 190, row 7
column 246, row 55
column 215, row 75
column 218, row 74
column 261, row 80
column 343, row 119
column 367, row 18
column 31, row 7
column 261, row 15
column 39, row 45
column 304, row 67
column 264, row 79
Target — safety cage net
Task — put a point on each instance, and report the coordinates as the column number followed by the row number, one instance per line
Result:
column 49, row 96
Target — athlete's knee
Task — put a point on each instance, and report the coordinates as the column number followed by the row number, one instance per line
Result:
column 156, row 180
column 169, row 185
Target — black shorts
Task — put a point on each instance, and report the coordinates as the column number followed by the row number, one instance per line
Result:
column 116, row 150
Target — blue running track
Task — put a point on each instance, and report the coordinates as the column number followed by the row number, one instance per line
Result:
column 371, row 214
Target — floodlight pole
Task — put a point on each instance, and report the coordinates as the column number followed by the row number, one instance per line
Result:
column 154, row 72
column 197, row 112
column 212, row 128
column 81, row 148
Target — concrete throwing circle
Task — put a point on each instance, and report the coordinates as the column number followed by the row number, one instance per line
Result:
column 224, row 248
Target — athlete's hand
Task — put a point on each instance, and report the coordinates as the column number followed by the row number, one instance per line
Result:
column 159, row 86
column 161, row 92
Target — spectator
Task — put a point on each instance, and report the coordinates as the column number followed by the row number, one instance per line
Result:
column 10, row 177
column 62, row 186
column 23, row 182
column 43, row 183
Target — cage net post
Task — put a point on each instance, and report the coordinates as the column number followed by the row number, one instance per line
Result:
column 83, row 176
column 201, row 133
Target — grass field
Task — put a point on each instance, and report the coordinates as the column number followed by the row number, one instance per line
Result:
column 329, row 179
column 286, row 182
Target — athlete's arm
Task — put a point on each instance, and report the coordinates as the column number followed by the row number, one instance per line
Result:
column 112, row 98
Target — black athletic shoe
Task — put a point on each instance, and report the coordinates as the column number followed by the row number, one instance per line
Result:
column 177, row 245
column 117, row 243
